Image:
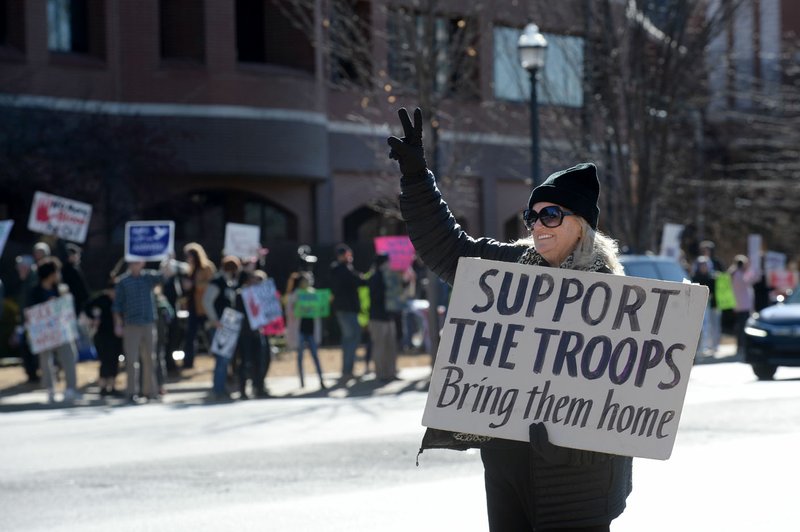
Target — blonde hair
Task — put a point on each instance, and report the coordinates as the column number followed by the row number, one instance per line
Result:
column 591, row 246
column 202, row 262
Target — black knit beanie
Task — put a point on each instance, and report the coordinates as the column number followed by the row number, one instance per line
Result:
column 576, row 189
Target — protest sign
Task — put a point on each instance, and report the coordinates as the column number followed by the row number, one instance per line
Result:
column 242, row 240
column 313, row 303
column 62, row 217
column 148, row 241
column 671, row 240
column 5, row 230
column 774, row 261
column 723, row 291
column 274, row 328
column 51, row 324
column 754, row 242
column 261, row 303
column 401, row 251
column 227, row 336
column 602, row 360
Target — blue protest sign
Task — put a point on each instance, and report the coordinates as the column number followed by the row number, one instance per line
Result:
column 149, row 241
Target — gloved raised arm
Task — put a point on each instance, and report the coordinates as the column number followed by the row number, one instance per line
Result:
column 409, row 151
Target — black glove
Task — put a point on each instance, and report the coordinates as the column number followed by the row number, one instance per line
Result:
column 409, row 151
column 557, row 455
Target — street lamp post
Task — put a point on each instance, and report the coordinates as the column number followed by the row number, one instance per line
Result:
column 532, row 48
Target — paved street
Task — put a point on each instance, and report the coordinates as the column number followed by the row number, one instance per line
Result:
column 348, row 463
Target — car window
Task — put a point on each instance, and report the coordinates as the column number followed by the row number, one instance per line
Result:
column 655, row 269
column 641, row 269
column 794, row 297
column 671, row 272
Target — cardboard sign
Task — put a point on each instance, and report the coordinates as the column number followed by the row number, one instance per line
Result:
column 774, row 262
column 723, row 292
column 262, row 304
column 671, row 240
column 149, row 241
column 242, row 240
column 602, row 360
column 313, row 303
column 401, row 251
column 782, row 281
column 274, row 328
column 51, row 324
column 5, row 230
column 227, row 336
column 754, row 242
column 62, row 217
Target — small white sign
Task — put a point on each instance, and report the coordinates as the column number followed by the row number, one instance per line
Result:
column 51, row 324
column 754, row 242
column 242, row 240
column 5, row 230
column 671, row 241
column 227, row 336
column 62, row 217
column 261, row 304
column 602, row 360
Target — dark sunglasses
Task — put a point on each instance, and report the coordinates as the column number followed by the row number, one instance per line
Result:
column 550, row 216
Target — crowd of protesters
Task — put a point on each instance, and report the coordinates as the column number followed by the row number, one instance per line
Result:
column 141, row 317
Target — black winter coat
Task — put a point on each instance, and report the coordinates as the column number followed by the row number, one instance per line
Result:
column 345, row 281
column 565, row 495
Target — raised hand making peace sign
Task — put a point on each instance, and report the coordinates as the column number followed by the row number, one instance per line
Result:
column 409, row 151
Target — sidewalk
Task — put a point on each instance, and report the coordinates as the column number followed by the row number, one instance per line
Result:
column 194, row 386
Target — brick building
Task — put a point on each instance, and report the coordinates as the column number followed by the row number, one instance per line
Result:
column 266, row 128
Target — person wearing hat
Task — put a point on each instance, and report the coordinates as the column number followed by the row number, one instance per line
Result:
column 221, row 294
column 41, row 250
column 532, row 485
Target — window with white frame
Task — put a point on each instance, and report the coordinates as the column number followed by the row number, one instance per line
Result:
column 561, row 79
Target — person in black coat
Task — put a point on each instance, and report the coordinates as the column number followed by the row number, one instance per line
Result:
column 108, row 344
column 533, row 485
column 345, row 281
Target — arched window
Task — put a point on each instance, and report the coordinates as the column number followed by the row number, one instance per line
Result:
column 365, row 223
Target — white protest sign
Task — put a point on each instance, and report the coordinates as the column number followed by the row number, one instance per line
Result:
column 149, row 241
column 261, row 304
column 754, row 253
column 5, row 230
column 226, row 337
column 671, row 240
column 51, row 324
column 62, row 217
column 242, row 240
column 602, row 360
column 774, row 262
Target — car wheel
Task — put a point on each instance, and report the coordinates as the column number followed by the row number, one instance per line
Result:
column 764, row 372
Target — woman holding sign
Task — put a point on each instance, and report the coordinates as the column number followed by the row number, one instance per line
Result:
column 535, row 485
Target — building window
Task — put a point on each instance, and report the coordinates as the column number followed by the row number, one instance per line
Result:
column 561, row 82
column 276, row 224
column 272, row 32
column 351, row 42
column 12, row 24
column 436, row 50
column 182, row 29
column 76, row 26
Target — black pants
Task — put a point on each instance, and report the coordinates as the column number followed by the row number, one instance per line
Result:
column 509, row 494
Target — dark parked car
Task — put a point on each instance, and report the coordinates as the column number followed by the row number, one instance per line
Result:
column 772, row 337
column 653, row 267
